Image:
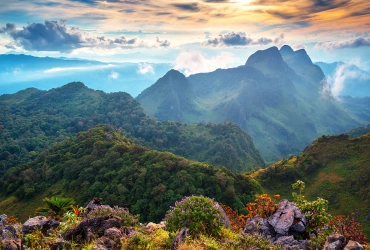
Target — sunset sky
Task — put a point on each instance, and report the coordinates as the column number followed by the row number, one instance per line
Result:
column 220, row 32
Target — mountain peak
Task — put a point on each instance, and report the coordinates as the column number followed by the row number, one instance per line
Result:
column 266, row 60
column 286, row 50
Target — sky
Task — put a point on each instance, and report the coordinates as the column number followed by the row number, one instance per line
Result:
column 195, row 36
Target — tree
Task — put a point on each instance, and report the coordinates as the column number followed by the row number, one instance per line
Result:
column 56, row 206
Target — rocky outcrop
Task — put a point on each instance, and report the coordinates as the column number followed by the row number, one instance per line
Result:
column 281, row 227
column 88, row 228
column 353, row 245
column 39, row 222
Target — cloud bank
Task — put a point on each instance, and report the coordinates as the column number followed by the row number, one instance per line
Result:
column 351, row 43
column 240, row 39
column 194, row 62
column 56, row 36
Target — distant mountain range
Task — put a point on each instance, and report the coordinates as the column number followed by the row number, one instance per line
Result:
column 33, row 120
column 279, row 97
column 346, row 79
column 18, row 72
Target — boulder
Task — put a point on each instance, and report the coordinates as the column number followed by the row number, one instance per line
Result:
column 288, row 219
column 93, row 204
column 89, row 227
column 10, row 232
column 40, row 222
column 2, row 219
column 334, row 242
column 258, row 225
column 107, row 243
column 11, row 244
column 113, row 233
column 353, row 245
column 288, row 242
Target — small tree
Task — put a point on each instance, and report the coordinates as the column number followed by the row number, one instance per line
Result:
column 56, row 207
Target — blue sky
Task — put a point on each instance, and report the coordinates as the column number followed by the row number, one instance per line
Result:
column 195, row 36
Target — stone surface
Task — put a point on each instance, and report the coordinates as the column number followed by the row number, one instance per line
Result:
column 113, row 233
column 258, row 225
column 334, row 242
column 93, row 204
column 88, row 228
column 11, row 244
column 2, row 219
column 107, row 243
column 287, row 218
column 33, row 223
column 353, row 245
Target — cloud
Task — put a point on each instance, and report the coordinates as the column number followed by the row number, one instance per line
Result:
column 351, row 43
column 187, row 6
column 279, row 41
column 113, row 75
column 194, row 62
column 55, row 36
column 342, row 74
column 145, row 68
column 164, row 43
column 236, row 39
column 207, row 34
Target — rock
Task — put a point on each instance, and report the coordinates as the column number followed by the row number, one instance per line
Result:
column 288, row 242
column 287, row 218
column 353, row 245
column 2, row 219
column 224, row 219
column 334, row 242
column 258, row 225
column 10, row 232
column 87, row 228
column 99, row 247
column 93, row 204
column 33, row 223
column 107, row 243
column 11, row 244
column 61, row 245
column 179, row 238
column 113, row 233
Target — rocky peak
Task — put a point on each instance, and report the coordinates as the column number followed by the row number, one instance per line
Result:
column 286, row 50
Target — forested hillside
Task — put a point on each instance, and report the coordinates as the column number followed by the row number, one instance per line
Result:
column 101, row 162
column 335, row 168
column 33, row 120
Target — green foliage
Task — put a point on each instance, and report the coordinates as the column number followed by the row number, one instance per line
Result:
column 124, row 214
column 201, row 215
column 157, row 240
column 37, row 240
column 101, row 163
column 36, row 121
column 70, row 220
column 318, row 238
column 316, row 211
column 56, row 206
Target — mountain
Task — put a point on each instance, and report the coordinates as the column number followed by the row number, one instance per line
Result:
column 279, row 97
column 33, row 120
column 18, row 72
column 335, row 168
column 171, row 97
column 102, row 162
column 346, row 79
column 358, row 106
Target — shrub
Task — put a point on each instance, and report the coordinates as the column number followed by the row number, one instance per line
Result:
column 349, row 227
column 201, row 215
column 263, row 206
column 316, row 211
column 56, row 207
column 123, row 213
column 237, row 220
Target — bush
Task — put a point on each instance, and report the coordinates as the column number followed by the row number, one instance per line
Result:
column 263, row 206
column 201, row 215
column 349, row 227
column 316, row 211
column 124, row 214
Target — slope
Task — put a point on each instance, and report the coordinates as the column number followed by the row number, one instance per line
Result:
column 101, row 162
column 334, row 167
column 33, row 120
